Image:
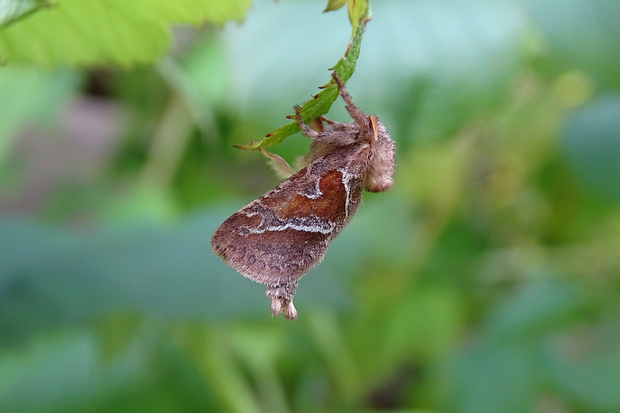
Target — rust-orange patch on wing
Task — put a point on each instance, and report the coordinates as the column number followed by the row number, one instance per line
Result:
column 329, row 206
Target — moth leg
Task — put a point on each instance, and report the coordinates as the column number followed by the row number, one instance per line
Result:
column 353, row 110
column 282, row 299
column 305, row 129
column 279, row 165
column 328, row 121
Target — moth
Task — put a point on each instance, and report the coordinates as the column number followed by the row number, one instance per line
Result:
column 278, row 238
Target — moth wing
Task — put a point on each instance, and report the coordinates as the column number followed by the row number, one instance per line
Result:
column 282, row 235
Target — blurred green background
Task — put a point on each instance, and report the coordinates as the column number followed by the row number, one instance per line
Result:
column 486, row 280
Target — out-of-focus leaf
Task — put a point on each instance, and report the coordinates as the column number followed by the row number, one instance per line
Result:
column 31, row 95
column 591, row 142
column 22, row 376
column 83, row 32
column 12, row 11
column 488, row 378
column 198, row 79
column 540, row 306
column 425, row 323
column 68, row 373
column 588, row 378
column 222, row 11
column 147, row 203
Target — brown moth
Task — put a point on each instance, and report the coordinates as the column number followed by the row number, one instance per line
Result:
column 276, row 239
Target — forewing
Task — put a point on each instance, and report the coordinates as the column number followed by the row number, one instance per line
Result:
column 285, row 233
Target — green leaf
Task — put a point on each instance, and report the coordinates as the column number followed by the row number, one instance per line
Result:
column 22, row 373
column 69, row 373
column 83, row 32
column 591, row 142
column 538, row 307
column 334, row 5
column 591, row 376
column 12, row 11
column 322, row 102
column 489, row 378
column 358, row 11
column 33, row 96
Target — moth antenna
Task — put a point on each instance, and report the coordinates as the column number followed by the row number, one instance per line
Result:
column 328, row 121
column 317, row 125
column 279, row 165
column 357, row 115
column 375, row 130
column 305, row 129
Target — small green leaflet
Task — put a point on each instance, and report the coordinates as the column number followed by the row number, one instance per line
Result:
column 321, row 102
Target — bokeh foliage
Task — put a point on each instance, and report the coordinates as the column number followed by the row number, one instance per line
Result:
column 486, row 280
